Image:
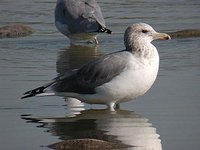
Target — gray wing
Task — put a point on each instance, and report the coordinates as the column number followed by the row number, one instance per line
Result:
column 80, row 15
column 93, row 74
column 93, row 10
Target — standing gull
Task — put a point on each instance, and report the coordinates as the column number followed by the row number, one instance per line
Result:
column 114, row 78
column 79, row 20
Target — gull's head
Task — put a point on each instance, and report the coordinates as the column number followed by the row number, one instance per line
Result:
column 140, row 33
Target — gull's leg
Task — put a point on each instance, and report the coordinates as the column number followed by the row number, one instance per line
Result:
column 93, row 41
column 111, row 106
column 96, row 41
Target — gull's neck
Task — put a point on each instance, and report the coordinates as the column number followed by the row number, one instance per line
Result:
column 141, row 48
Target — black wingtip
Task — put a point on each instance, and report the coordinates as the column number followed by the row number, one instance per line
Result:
column 27, row 96
column 33, row 92
column 105, row 30
column 108, row 31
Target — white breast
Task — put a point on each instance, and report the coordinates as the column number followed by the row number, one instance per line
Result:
column 134, row 81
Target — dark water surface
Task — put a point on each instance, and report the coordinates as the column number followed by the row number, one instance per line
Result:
column 166, row 117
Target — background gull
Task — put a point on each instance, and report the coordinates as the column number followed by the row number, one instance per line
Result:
column 114, row 78
column 80, row 19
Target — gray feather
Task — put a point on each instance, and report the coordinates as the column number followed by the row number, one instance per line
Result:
column 93, row 74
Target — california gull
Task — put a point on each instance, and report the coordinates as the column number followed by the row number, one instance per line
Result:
column 80, row 20
column 113, row 78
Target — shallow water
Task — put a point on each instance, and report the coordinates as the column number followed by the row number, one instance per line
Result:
column 170, row 109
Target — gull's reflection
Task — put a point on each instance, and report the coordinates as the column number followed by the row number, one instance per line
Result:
column 75, row 56
column 102, row 129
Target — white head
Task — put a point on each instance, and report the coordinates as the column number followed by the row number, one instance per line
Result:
column 141, row 34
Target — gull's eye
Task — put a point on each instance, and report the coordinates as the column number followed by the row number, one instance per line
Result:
column 144, row 31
